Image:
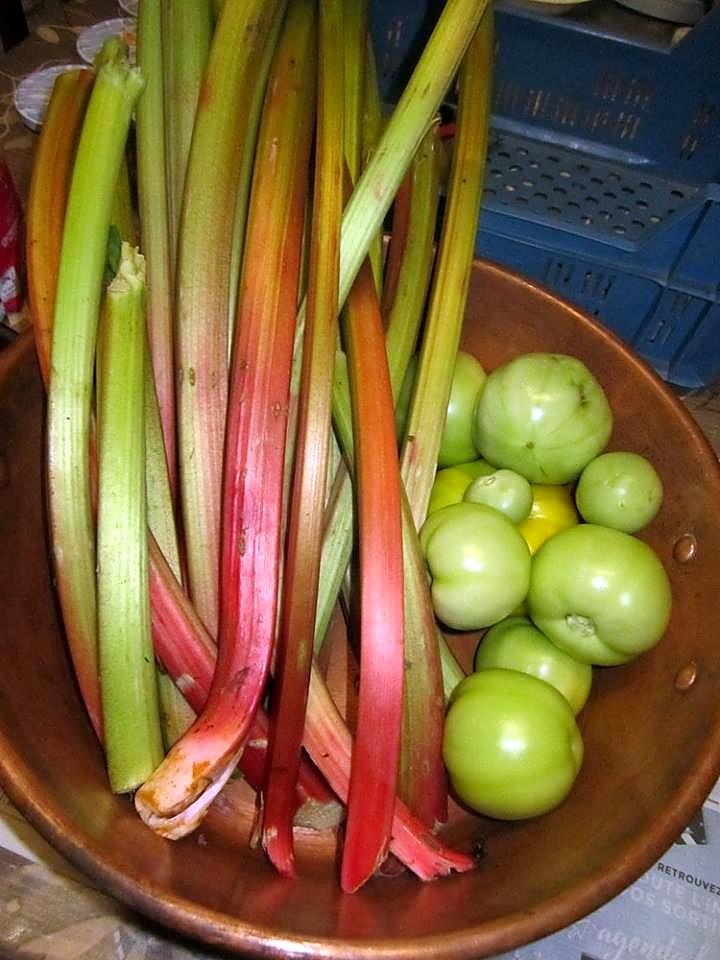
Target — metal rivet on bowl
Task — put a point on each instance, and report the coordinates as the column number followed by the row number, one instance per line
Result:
column 4, row 472
column 685, row 548
column 686, row 676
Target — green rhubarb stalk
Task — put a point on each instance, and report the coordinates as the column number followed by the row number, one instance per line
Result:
column 82, row 262
column 128, row 684
column 421, row 777
column 403, row 132
column 411, row 253
column 307, row 502
column 223, row 133
column 182, row 34
column 176, row 714
column 446, row 310
column 372, row 125
column 154, row 217
column 47, row 199
column 160, row 511
column 122, row 216
column 373, row 779
column 354, row 40
column 176, row 797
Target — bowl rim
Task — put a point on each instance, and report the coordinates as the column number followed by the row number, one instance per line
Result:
column 216, row 929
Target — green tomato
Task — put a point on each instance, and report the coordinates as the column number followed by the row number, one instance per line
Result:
column 504, row 490
column 452, row 482
column 511, row 745
column 515, row 644
column 599, row 594
column 543, row 415
column 479, row 564
column 619, row 490
column 456, row 443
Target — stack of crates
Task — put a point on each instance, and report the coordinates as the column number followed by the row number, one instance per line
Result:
column 602, row 169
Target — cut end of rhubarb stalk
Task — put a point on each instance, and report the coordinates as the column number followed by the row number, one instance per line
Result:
column 175, row 816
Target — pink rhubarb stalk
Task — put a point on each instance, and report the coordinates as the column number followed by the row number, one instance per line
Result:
column 188, row 654
column 373, row 781
column 174, row 800
column 300, row 586
column 329, row 744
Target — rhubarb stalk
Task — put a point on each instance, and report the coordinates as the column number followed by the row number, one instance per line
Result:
column 154, row 219
column 188, row 654
column 176, row 797
column 47, row 199
column 128, row 684
column 186, row 32
column 329, row 744
column 297, row 622
column 446, row 311
column 222, row 134
column 371, row 797
column 87, row 221
column 379, row 181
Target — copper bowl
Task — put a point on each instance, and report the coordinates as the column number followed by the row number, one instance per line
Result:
column 651, row 728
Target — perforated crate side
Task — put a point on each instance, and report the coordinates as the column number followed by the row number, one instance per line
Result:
column 579, row 205
column 619, row 300
column 698, row 364
column 668, row 332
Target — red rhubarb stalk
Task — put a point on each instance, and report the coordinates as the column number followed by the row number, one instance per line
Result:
column 176, row 797
column 300, row 586
column 188, row 654
column 329, row 744
column 373, row 780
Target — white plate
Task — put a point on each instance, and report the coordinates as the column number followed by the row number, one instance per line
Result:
column 129, row 6
column 33, row 92
column 90, row 41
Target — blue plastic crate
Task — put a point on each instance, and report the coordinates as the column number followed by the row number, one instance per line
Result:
column 602, row 166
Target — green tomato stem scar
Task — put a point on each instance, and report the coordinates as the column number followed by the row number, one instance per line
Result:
column 579, row 624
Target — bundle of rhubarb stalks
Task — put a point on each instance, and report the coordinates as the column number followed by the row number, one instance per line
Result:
column 233, row 254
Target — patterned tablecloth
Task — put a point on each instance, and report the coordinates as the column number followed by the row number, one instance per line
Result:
column 48, row 911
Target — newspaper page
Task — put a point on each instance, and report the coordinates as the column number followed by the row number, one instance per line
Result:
column 670, row 913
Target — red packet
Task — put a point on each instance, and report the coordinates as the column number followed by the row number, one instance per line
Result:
column 11, row 253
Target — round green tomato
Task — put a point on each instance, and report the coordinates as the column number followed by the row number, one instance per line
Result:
column 515, row 644
column 504, row 490
column 456, row 443
column 452, row 482
column 511, row 745
column 543, row 415
column 479, row 564
column 599, row 594
column 620, row 490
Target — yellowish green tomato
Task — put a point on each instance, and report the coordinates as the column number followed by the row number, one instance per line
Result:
column 504, row 490
column 516, row 644
column 543, row 415
column 601, row 595
column 511, row 745
column 456, row 444
column 479, row 564
column 553, row 510
column 619, row 490
column 452, row 482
